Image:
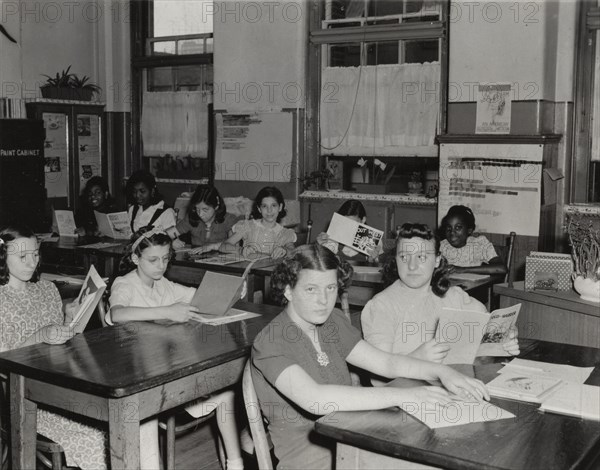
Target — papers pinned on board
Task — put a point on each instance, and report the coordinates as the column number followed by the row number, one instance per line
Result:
column 114, row 225
column 360, row 237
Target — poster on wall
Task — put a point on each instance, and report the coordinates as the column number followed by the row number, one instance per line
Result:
column 501, row 183
column 88, row 147
column 493, row 109
column 254, row 146
column 56, row 155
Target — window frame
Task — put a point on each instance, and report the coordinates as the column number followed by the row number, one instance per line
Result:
column 318, row 36
column 141, row 16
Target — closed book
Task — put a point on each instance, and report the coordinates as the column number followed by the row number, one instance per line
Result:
column 523, row 387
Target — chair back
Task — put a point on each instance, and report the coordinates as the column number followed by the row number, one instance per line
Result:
column 505, row 251
column 255, row 418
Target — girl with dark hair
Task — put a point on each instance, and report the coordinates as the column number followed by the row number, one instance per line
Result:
column 263, row 234
column 31, row 311
column 147, row 207
column 300, row 361
column 94, row 197
column 402, row 319
column 144, row 294
column 465, row 252
column 206, row 221
column 354, row 210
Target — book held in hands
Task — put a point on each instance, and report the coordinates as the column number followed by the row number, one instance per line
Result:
column 360, row 237
column 113, row 225
column 472, row 334
column 90, row 294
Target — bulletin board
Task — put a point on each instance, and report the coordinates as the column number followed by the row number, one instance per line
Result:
column 254, row 146
column 501, row 183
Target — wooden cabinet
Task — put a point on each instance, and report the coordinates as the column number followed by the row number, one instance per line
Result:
column 73, row 147
column 560, row 317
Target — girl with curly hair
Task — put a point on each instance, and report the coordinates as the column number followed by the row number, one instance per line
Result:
column 300, row 361
column 402, row 319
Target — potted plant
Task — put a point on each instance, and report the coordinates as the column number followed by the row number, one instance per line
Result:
column 68, row 86
column 584, row 237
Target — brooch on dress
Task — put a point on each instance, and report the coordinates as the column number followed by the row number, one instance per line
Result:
column 323, row 359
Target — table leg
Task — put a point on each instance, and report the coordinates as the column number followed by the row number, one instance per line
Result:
column 124, row 433
column 349, row 457
column 23, row 416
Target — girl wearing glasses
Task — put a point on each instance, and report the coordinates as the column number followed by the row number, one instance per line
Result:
column 144, row 294
column 206, row 221
column 402, row 319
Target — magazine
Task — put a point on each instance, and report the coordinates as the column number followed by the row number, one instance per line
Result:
column 114, row 225
column 472, row 334
column 360, row 237
column 90, row 294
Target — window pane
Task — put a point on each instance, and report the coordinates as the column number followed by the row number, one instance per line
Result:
column 344, row 55
column 182, row 78
column 421, row 51
column 163, row 48
column 382, row 53
column 176, row 18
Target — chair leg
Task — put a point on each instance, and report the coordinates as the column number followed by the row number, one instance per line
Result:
column 56, row 461
column 221, row 451
column 171, row 442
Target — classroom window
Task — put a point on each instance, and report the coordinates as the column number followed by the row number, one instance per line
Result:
column 381, row 68
column 173, row 81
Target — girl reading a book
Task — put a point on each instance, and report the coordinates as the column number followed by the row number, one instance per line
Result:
column 144, row 294
column 300, row 361
column 355, row 211
column 95, row 197
column 262, row 234
column 147, row 208
column 206, row 221
column 465, row 252
column 402, row 319
column 31, row 311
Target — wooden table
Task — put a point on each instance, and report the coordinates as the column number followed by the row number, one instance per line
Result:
column 531, row 440
column 553, row 316
column 124, row 374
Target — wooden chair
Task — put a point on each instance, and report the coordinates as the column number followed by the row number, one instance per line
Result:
column 48, row 453
column 173, row 430
column 259, row 435
column 506, row 253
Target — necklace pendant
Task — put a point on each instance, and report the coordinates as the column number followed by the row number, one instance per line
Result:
column 323, row 359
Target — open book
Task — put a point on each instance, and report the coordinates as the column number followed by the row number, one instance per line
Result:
column 472, row 334
column 90, row 294
column 360, row 237
column 64, row 222
column 113, row 225
column 217, row 292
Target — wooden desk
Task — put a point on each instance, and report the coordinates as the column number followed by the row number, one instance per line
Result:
column 531, row 440
column 553, row 316
column 124, row 374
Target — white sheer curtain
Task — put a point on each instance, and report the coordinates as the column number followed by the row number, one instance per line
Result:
column 383, row 110
column 596, row 101
column 175, row 123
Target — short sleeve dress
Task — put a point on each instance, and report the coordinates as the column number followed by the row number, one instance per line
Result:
column 477, row 250
column 201, row 234
column 263, row 239
column 282, row 344
column 21, row 314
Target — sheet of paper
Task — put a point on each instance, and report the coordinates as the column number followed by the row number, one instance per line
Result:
column 360, row 237
column 367, row 269
column 562, row 371
column 221, row 259
column 456, row 413
column 573, row 399
column 463, row 331
column 231, row 316
column 100, row 245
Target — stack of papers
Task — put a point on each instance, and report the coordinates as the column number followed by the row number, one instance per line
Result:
column 582, row 401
